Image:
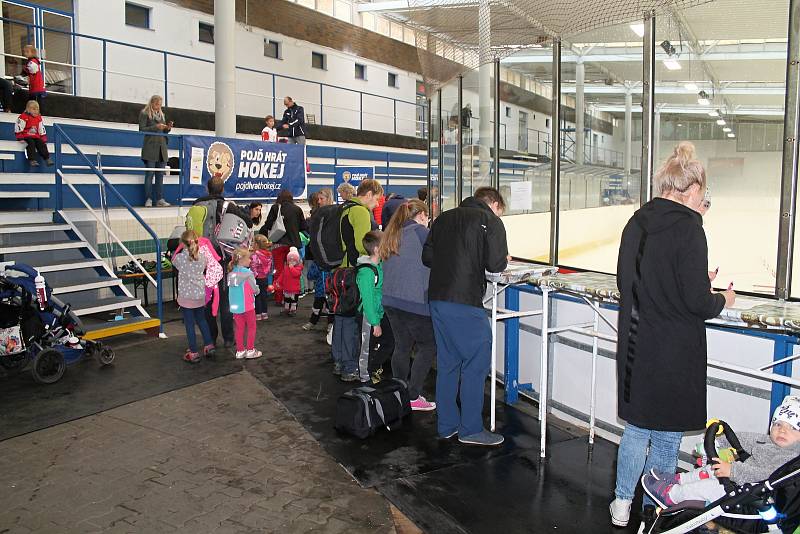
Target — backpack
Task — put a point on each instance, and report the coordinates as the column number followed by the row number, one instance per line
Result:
column 342, row 290
column 232, row 231
column 326, row 237
column 202, row 218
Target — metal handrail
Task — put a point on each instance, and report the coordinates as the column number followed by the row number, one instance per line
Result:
column 61, row 136
column 167, row 54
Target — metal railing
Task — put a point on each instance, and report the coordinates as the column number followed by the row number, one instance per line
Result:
column 391, row 119
column 60, row 137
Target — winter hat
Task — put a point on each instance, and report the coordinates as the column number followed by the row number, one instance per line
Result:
column 293, row 256
column 788, row 412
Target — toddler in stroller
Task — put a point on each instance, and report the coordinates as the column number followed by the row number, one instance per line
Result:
column 741, row 491
column 36, row 328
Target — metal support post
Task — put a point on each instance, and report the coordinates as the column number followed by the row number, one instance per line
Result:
column 511, row 373
column 496, row 174
column 791, row 131
column 460, row 144
column 493, row 372
column 543, row 370
column 648, row 94
column 555, row 153
column 225, row 67
column 593, row 394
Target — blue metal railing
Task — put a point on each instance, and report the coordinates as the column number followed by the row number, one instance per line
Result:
column 60, row 137
column 419, row 109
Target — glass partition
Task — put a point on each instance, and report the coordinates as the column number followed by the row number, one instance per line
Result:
column 449, row 147
column 720, row 83
column 434, row 201
column 601, row 86
column 477, row 114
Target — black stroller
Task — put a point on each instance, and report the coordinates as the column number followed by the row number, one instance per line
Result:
column 772, row 505
column 46, row 338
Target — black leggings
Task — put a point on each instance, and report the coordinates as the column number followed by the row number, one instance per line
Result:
column 34, row 146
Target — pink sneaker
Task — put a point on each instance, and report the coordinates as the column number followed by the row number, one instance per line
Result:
column 421, row 405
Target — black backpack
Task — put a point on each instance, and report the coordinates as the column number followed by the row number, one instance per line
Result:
column 362, row 411
column 326, row 237
column 342, row 291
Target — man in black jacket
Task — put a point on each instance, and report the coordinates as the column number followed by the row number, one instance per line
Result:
column 294, row 122
column 216, row 187
column 464, row 243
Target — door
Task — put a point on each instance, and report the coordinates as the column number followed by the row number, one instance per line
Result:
column 522, row 144
column 17, row 32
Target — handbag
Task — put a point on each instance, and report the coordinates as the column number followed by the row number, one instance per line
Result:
column 278, row 229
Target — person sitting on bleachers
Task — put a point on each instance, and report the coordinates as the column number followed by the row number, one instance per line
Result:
column 30, row 130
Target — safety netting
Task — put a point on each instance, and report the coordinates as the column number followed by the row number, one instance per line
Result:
column 455, row 36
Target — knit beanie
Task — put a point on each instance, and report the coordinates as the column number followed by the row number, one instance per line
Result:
column 293, row 256
column 788, row 412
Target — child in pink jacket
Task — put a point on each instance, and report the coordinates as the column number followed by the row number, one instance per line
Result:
column 242, row 291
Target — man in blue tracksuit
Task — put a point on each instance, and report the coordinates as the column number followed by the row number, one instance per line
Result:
column 294, row 122
column 462, row 245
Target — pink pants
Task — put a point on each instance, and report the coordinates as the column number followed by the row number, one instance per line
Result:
column 240, row 322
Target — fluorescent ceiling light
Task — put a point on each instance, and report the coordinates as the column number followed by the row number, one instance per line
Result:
column 672, row 64
column 691, row 86
column 726, row 129
column 704, row 101
column 731, row 135
column 638, row 28
column 713, row 113
column 721, row 122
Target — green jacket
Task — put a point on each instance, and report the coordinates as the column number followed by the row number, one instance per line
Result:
column 355, row 223
column 371, row 292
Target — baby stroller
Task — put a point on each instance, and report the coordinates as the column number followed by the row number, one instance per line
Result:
column 46, row 338
column 772, row 505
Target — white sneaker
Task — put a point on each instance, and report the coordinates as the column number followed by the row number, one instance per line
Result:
column 241, row 354
column 148, row 203
column 163, row 203
column 329, row 336
column 620, row 511
column 252, row 354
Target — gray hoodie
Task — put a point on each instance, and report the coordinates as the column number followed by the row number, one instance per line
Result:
column 765, row 457
column 191, row 280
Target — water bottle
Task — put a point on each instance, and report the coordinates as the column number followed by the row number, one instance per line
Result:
column 41, row 290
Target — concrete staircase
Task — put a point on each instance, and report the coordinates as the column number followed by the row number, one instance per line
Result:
column 50, row 242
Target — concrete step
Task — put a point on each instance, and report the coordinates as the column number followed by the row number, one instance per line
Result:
column 39, row 247
column 30, row 228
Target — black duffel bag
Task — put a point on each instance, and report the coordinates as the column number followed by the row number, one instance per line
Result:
column 363, row 410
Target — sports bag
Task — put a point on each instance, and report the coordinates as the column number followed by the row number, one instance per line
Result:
column 362, row 411
column 233, row 231
column 326, row 236
column 341, row 288
column 278, row 229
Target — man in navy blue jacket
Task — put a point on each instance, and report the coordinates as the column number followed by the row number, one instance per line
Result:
column 294, row 122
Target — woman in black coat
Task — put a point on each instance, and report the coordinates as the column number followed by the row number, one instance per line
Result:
column 295, row 222
column 666, row 297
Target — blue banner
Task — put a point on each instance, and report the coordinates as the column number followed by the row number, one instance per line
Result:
column 251, row 169
column 351, row 175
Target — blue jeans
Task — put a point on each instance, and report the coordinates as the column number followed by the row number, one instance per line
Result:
column 641, row 450
column 154, row 193
column 196, row 316
column 463, row 358
column 346, row 343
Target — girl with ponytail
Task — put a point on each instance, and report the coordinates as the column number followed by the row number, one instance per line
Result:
column 405, row 297
column 191, row 267
column 665, row 299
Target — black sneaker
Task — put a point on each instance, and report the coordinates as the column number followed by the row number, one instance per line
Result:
column 350, row 377
column 337, row 369
column 34, row 163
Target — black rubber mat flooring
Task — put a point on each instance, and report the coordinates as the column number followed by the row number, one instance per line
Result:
column 144, row 368
column 444, row 486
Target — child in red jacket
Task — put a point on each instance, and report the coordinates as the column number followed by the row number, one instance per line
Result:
column 33, row 70
column 30, row 130
column 289, row 281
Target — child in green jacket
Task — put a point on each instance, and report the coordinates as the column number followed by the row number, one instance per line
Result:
column 373, row 323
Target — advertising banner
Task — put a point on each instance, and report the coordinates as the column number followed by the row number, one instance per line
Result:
column 351, row 175
column 250, row 169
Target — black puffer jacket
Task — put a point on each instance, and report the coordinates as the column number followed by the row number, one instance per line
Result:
column 463, row 244
column 661, row 352
column 293, row 220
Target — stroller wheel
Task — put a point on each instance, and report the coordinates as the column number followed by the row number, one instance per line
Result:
column 48, row 366
column 106, row 356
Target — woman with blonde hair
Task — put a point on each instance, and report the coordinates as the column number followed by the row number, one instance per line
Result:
column 154, row 150
column 405, row 298
column 666, row 297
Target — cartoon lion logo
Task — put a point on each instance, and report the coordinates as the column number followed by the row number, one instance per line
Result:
column 346, row 176
column 219, row 160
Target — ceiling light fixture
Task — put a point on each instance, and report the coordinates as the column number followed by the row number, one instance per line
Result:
column 731, row 135
column 638, row 28
column 713, row 113
column 721, row 122
column 691, row 86
column 671, row 63
column 702, row 99
column 726, row 129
